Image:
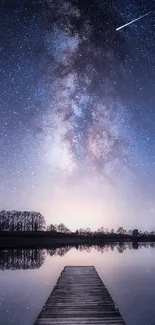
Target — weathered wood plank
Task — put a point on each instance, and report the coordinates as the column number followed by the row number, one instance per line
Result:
column 79, row 297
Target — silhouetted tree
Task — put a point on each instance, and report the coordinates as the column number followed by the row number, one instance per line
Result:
column 88, row 231
column 62, row 228
column 135, row 233
column 82, row 232
column 21, row 221
column 52, row 228
column 121, row 231
column 101, row 230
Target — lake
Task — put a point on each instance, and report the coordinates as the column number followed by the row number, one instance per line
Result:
column 28, row 276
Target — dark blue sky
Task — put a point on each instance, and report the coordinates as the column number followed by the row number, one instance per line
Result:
column 77, row 118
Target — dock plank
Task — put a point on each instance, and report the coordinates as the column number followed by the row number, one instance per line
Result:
column 79, row 297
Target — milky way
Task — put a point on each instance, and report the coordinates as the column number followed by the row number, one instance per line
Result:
column 82, row 135
column 77, row 112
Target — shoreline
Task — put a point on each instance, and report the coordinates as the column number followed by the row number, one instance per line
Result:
column 45, row 240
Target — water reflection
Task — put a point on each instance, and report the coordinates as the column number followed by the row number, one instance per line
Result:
column 15, row 259
column 127, row 269
column 59, row 251
column 120, row 247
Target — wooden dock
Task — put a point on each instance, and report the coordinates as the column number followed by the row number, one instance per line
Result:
column 79, row 297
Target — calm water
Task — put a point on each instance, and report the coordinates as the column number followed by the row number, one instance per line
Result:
column 28, row 276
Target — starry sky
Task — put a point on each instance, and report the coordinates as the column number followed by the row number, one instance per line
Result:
column 77, row 115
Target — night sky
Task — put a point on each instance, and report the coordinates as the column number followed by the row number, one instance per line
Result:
column 77, row 111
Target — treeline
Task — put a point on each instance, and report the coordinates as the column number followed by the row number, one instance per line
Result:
column 29, row 222
column 21, row 221
column 100, row 232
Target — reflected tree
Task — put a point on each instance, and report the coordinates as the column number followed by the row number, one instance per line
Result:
column 16, row 259
column 102, row 248
column 59, row 251
column 135, row 245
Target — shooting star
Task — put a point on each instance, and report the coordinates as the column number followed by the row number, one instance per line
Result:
column 132, row 21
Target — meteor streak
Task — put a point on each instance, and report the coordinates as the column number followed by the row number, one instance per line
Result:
column 132, row 21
